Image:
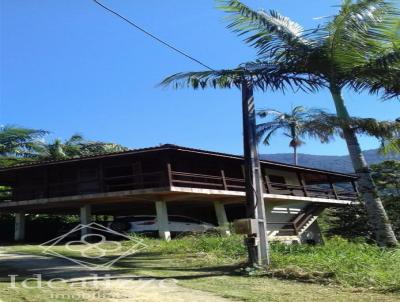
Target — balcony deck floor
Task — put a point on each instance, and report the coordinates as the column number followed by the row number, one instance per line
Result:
column 169, row 194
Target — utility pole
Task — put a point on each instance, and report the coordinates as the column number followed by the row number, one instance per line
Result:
column 257, row 244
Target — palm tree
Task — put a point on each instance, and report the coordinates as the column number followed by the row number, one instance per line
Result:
column 77, row 146
column 296, row 125
column 19, row 144
column 382, row 130
column 358, row 48
column 391, row 145
column 322, row 125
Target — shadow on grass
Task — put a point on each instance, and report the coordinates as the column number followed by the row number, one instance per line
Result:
column 150, row 265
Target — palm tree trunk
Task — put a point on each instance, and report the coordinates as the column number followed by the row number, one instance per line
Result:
column 377, row 217
column 295, row 158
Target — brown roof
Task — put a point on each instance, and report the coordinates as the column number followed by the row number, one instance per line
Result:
column 170, row 147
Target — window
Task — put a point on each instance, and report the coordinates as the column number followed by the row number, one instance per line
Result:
column 277, row 179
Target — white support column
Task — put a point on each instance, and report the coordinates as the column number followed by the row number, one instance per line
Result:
column 86, row 218
column 162, row 220
column 221, row 218
column 19, row 234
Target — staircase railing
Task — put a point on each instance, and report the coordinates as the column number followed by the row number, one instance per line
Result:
column 294, row 226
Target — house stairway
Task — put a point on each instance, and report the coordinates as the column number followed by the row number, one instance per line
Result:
column 292, row 231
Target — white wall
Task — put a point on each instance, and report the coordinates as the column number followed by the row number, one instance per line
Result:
column 281, row 213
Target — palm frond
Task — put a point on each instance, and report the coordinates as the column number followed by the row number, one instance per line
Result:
column 390, row 147
column 373, row 127
column 364, row 126
column 266, row 131
column 20, row 142
column 267, row 112
column 359, row 30
column 262, row 76
column 379, row 76
column 299, row 123
column 388, row 86
column 269, row 32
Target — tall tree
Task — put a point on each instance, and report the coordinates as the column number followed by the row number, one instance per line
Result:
column 358, row 48
column 387, row 177
column 18, row 144
column 295, row 124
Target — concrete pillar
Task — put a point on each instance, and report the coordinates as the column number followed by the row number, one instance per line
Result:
column 221, row 218
column 86, row 218
column 162, row 220
column 19, row 234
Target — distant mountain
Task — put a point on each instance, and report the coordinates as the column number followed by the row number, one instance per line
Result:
column 328, row 162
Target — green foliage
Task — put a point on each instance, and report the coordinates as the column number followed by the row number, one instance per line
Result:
column 20, row 146
column 76, row 146
column 351, row 222
column 391, row 146
column 319, row 124
column 357, row 48
column 268, row 32
column 387, row 177
column 382, row 130
column 295, row 124
column 263, row 76
column 219, row 247
column 392, row 206
column 347, row 263
column 338, row 261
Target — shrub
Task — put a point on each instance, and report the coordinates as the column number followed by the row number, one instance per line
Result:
column 347, row 263
column 339, row 261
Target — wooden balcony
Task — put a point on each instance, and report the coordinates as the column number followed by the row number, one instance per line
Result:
column 168, row 179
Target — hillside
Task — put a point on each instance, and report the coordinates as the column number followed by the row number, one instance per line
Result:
column 327, row 162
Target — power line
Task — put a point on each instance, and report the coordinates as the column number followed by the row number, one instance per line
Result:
column 152, row 36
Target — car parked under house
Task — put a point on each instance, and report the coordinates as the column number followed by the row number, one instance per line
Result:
column 173, row 180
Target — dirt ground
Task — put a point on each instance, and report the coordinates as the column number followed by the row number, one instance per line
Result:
column 112, row 288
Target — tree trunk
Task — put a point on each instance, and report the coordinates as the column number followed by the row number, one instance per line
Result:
column 377, row 216
column 295, row 158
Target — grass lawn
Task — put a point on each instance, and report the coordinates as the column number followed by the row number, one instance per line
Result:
column 30, row 293
column 337, row 271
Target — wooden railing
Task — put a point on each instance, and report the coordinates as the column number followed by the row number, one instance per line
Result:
column 294, row 226
column 205, row 181
column 311, row 191
column 164, row 178
column 81, row 187
column 222, row 182
column 134, row 181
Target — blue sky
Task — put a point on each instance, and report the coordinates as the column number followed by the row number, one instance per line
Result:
column 70, row 67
